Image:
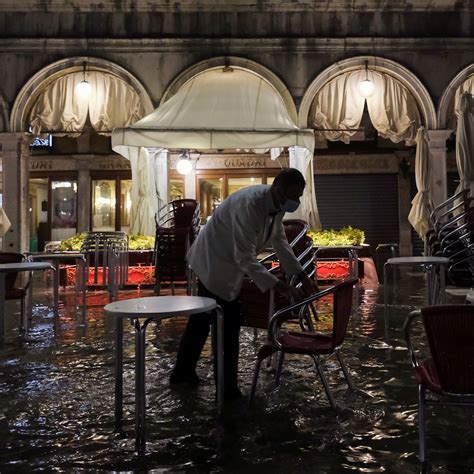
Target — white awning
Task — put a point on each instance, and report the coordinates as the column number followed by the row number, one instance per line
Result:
column 215, row 110
column 222, row 108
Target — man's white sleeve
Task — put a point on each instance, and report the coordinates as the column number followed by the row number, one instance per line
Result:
column 245, row 230
column 284, row 252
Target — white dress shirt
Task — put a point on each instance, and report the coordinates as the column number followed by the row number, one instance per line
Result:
column 226, row 249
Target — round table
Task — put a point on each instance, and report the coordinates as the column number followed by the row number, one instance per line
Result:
column 141, row 311
column 435, row 268
column 19, row 267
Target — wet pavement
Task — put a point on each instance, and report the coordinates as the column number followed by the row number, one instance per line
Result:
column 56, row 401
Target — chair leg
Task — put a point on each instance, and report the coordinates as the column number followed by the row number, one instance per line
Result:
column 422, row 421
column 254, row 381
column 23, row 315
column 331, row 400
column 279, row 368
column 346, row 373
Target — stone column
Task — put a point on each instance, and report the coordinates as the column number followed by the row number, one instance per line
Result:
column 15, row 155
column 437, row 147
column 83, row 197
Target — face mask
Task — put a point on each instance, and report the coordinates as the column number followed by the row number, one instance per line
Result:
column 290, row 205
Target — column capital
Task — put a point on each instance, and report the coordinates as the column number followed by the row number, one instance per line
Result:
column 9, row 141
column 437, row 139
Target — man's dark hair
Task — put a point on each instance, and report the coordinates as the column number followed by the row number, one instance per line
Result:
column 289, row 177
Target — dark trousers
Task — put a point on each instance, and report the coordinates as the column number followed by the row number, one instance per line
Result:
column 197, row 331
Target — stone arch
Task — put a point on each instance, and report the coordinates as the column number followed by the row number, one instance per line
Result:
column 36, row 84
column 402, row 74
column 242, row 63
column 449, row 93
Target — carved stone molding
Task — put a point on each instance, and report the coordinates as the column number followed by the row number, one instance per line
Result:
column 234, row 5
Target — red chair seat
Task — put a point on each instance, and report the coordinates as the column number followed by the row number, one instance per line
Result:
column 427, row 376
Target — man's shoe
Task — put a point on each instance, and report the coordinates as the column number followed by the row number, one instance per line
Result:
column 191, row 379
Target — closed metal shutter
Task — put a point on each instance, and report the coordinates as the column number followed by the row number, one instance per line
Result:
column 366, row 201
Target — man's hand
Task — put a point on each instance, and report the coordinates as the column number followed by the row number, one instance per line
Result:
column 289, row 292
column 310, row 287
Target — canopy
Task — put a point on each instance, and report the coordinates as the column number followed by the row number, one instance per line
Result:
column 216, row 109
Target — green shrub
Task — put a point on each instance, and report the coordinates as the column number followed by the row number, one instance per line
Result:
column 135, row 242
column 330, row 237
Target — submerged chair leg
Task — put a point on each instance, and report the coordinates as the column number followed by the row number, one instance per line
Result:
column 23, row 315
column 279, row 368
column 331, row 400
column 422, row 421
column 346, row 373
column 254, row 381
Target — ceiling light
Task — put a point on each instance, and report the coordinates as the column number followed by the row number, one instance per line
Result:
column 366, row 86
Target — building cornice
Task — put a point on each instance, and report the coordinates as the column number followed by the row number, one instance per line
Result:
column 249, row 45
column 231, row 6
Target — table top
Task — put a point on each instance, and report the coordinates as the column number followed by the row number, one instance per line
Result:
column 55, row 256
column 24, row 266
column 420, row 260
column 160, row 307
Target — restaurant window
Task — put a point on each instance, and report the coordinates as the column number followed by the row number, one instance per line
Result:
column 63, row 209
column 103, row 205
column 176, row 188
column 111, row 201
column 125, row 204
column 235, row 184
column 211, row 194
column 214, row 188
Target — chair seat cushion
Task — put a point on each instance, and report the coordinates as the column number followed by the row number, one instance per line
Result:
column 299, row 343
column 306, row 343
column 15, row 294
column 427, row 376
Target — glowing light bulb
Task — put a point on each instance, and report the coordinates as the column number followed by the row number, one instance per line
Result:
column 83, row 89
column 184, row 166
column 366, row 88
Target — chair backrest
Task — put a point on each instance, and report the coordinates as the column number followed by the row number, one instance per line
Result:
column 10, row 278
column 342, row 310
column 295, row 229
column 184, row 212
column 450, row 333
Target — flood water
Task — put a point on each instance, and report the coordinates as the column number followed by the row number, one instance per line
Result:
column 57, row 400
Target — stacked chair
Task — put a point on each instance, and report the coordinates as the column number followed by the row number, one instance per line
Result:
column 452, row 236
column 177, row 226
column 258, row 307
column 109, row 251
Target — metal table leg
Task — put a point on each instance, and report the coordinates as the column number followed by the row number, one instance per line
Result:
column 442, row 284
column 220, row 359
column 118, row 374
column 2, row 308
column 56, row 288
column 385, row 299
column 140, row 395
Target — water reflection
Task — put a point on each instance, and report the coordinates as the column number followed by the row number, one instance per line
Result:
column 56, row 402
